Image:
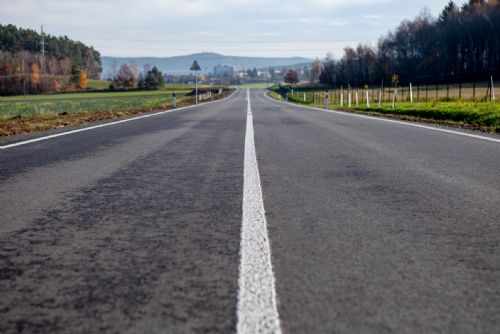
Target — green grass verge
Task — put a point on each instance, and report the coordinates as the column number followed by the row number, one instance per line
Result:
column 84, row 102
column 85, row 95
column 104, row 85
column 17, row 117
column 475, row 114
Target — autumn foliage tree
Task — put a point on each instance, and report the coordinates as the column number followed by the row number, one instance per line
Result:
column 126, row 76
column 24, row 70
column 82, row 79
column 34, row 77
column 291, row 77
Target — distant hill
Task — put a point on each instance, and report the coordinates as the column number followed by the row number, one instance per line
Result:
column 207, row 61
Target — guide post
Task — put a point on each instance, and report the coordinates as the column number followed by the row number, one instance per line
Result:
column 195, row 67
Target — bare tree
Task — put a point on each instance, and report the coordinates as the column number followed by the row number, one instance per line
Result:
column 315, row 70
column 126, row 77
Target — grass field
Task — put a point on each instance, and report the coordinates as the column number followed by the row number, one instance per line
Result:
column 104, row 85
column 461, row 112
column 21, row 114
column 89, row 95
column 98, row 84
column 84, row 102
column 485, row 115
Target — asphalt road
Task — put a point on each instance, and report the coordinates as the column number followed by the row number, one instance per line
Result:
column 374, row 227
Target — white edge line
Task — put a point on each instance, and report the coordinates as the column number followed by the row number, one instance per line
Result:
column 257, row 307
column 389, row 121
column 34, row 140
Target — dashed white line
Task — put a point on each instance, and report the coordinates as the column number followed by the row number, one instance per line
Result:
column 34, row 140
column 257, row 307
column 393, row 121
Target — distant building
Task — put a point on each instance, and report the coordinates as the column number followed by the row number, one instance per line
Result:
column 220, row 70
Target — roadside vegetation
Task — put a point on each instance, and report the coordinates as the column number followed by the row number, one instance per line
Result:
column 22, row 114
column 84, row 102
column 475, row 114
column 441, row 69
column 460, row 45
column 98, row 84
column 61, row 65
column 70, row 95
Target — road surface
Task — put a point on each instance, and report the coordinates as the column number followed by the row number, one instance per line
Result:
column 157, row 225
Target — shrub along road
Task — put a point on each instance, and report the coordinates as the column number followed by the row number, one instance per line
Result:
column 373, row 226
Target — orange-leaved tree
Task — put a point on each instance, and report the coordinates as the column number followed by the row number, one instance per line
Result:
column 82, row 79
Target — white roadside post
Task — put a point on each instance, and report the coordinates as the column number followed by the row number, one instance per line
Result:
column 341, row 96
column 327, row 101
column 304, row 96
column 492, row 90
column 379, row 98
column 174, row 100
column 367, row 99
column 350, row 98
column 195, row 67
column 411, row 93
column 357, row 99
column 394, row 97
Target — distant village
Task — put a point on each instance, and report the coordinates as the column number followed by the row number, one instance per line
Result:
column 227, row 75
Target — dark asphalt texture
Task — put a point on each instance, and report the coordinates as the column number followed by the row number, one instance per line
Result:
column 135, row 228
column 379, row 227
column 148, row 243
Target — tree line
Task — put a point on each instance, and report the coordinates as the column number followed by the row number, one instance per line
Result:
column 128, row 77
column 463, row 43
column 24, row 69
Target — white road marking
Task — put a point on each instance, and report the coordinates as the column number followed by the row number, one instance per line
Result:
column 257, row 308
column 495, row 140
column 34, row 140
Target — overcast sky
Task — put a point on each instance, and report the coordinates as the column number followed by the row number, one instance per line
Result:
column 309, row 28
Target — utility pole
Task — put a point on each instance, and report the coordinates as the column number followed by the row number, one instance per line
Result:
column 42, row 50
column 42, row 58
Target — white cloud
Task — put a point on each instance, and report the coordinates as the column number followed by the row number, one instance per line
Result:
column 167, row 27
